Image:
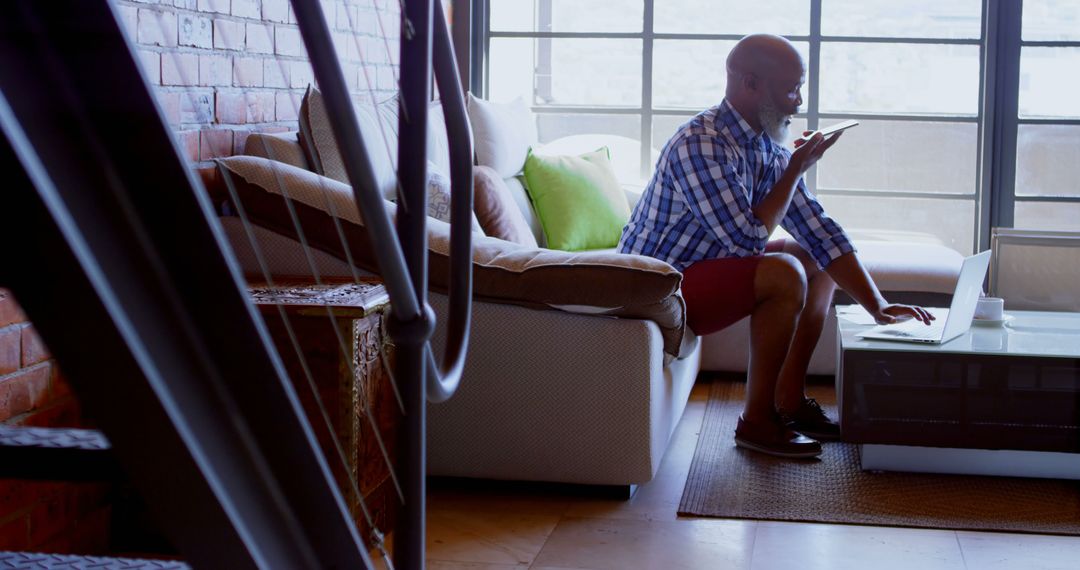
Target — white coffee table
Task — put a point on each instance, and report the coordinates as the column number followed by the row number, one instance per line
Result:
column 994, row 401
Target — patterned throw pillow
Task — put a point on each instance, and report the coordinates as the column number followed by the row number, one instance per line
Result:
column 438, row 203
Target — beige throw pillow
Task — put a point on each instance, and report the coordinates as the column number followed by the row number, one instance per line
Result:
column 502, row 134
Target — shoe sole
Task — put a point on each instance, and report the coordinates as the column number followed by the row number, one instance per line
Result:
column 818, row 436
column 786, row 454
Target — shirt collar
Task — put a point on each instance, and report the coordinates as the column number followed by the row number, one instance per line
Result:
column 727, row 118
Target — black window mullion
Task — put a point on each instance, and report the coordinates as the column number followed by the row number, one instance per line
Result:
column 813, row 116
column 486, row 79
column 1001, row 112
column 478, row 46
column 542, row 72
column 646, row 90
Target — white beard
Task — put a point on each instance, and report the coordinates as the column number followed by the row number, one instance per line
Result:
column 775, row 123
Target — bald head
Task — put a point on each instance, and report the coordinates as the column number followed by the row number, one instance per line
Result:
column 763, row 55
column 765, row 74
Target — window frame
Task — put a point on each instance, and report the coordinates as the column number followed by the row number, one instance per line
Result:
column 997, row 117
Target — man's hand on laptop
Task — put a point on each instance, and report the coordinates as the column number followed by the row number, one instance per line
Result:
column 894, row 313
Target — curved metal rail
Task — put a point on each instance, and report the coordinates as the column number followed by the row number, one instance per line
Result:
column 390, row 253
column 403, row 258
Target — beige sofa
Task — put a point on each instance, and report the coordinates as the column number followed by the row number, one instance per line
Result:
column 565, row 395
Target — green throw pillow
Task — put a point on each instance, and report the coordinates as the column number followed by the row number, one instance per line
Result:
column 578, row 199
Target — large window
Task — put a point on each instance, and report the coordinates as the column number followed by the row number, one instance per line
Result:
column 1047, row 182
column 935, row 116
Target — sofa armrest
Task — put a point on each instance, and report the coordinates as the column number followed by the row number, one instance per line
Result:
column 555, row 396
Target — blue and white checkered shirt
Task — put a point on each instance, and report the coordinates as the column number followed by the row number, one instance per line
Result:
column 698, row 204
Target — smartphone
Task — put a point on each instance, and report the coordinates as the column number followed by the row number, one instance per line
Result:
column 834, row 128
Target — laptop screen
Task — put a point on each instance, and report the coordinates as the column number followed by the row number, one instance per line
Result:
column 966, row 295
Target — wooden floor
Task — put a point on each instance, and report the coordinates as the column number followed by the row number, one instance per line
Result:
column 500, row 529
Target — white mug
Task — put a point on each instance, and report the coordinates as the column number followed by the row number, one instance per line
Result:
column 990, row 309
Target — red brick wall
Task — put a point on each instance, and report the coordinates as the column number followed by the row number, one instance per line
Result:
column 221, row 69
column 48, row 517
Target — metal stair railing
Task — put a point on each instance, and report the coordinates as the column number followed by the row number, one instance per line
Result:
column 197, row 407
column 180, row 374
column 404, row 263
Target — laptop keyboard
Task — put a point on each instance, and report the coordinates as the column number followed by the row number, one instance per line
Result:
column 916, row 329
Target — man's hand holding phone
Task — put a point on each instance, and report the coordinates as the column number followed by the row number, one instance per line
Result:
column 813, row 144
column 828, row 130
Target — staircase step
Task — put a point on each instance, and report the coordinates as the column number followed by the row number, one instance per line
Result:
column 37, row 561
column 57, row 454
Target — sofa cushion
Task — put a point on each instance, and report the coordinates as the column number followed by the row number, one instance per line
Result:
column 502, row 134
column 596, row 283
column 578, row 199
column 496, row 210
column 378, row 125
column 282, row 147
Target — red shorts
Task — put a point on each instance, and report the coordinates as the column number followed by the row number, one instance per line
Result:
column 719, row 292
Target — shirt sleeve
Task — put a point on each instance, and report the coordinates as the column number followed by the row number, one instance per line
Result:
column 718, row 196
column 815, row 231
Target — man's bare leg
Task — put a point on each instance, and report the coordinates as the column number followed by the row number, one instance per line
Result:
column 780, row 291
column 791, row 385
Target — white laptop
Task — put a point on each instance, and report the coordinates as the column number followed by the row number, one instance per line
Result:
column 951, row 322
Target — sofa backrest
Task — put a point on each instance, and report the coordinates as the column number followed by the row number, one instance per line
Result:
column 378, row 125
column 503, row 272
column 282, row 147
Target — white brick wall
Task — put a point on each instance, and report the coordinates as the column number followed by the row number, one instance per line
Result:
column 223, row 68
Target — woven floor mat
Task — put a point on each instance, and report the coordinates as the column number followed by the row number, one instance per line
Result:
column 730, row 482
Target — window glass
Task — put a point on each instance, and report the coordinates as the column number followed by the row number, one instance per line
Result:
column 566, row 16
column 566, row 71
column 664, row 126
column 551, row 126
column 589, row 72
column 689, row 74
column 900, row 78
column 1051, row 20
column 576, row 134
column 783, row 17
column 510, row 69
column 952, row 222
column 512, row 16
column 692, row 74
column 1048, row 160
column 1049, row 82
column 907, row 19
column 1052, row 216
column 902, row 155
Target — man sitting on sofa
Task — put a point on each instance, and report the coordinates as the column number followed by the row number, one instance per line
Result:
column 721, row 186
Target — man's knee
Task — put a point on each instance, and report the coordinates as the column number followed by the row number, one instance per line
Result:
column 781, row 275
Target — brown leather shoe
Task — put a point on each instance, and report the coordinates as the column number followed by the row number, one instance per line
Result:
column 776, row 439
column 811, row 420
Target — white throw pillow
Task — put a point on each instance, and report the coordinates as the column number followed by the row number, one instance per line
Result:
column 502, row 134
column 438, row 204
